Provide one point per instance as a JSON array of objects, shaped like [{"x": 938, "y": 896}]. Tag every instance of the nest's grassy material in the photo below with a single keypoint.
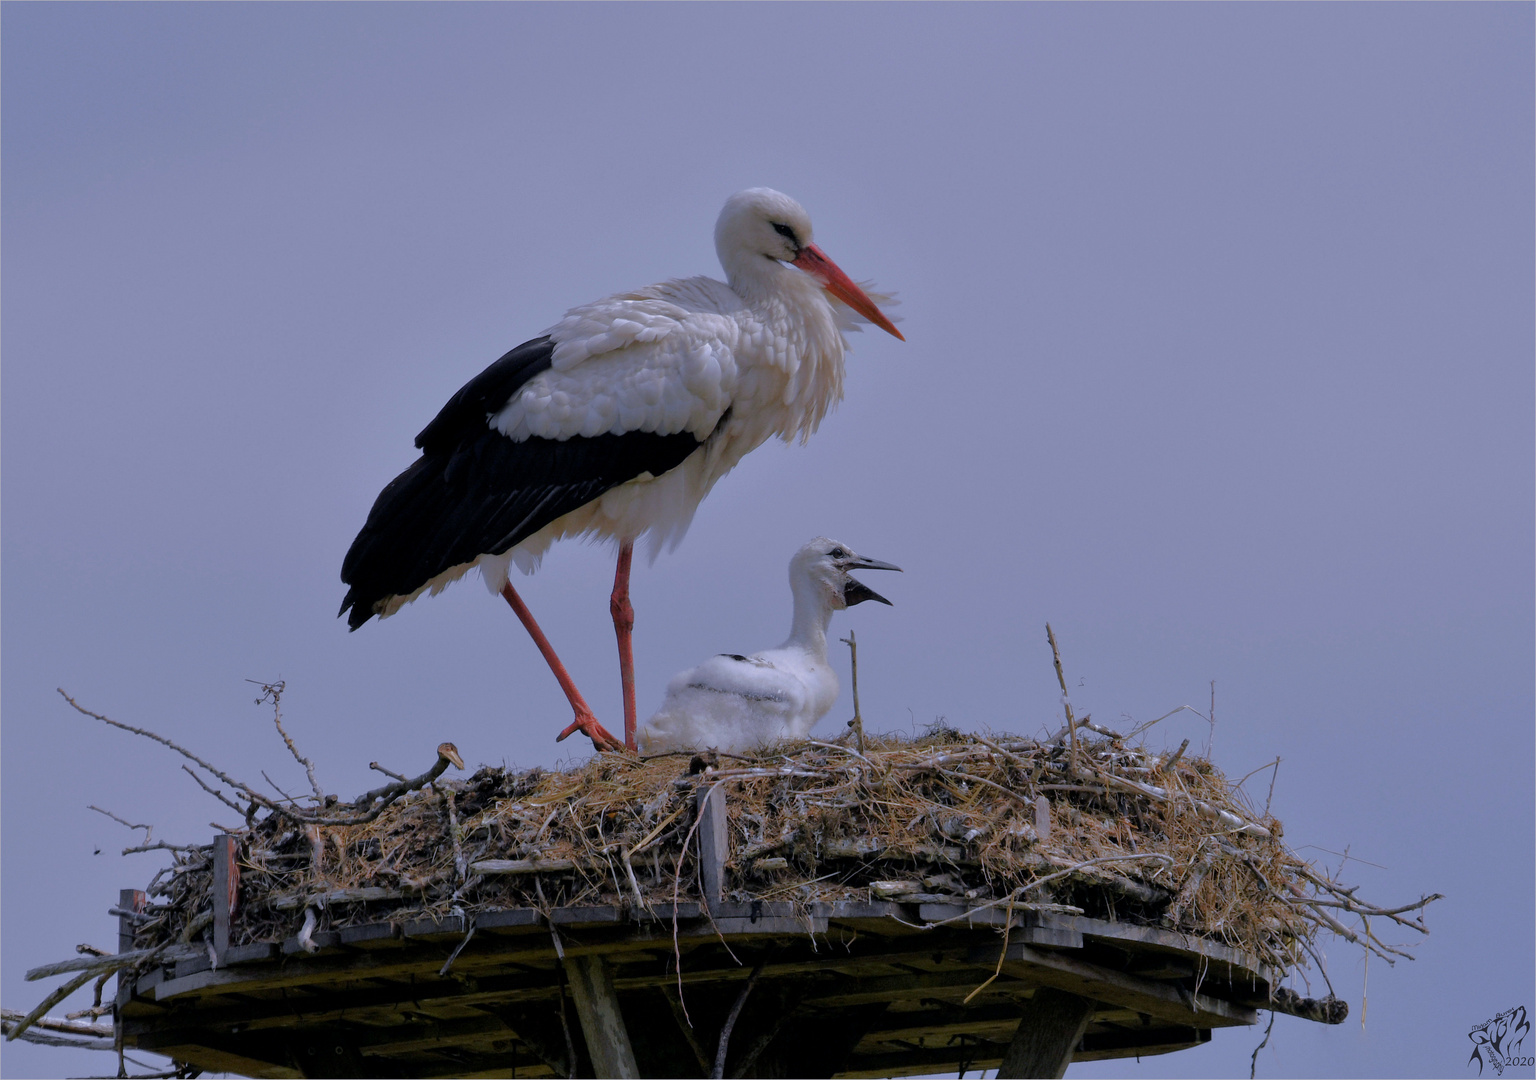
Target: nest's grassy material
[{"x": 1116, "y": 831}]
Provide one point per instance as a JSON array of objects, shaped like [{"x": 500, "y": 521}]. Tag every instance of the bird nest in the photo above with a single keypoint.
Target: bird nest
[{"x": 1083, "y": 823}]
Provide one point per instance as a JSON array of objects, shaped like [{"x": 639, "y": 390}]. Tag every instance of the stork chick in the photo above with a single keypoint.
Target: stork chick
[{"x": 733, "y": 702}]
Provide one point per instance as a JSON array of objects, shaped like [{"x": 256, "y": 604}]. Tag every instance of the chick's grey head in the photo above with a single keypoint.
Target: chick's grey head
[{"x": 827, "y": 565}]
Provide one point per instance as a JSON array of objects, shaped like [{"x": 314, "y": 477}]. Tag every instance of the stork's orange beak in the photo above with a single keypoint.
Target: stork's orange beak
[{"x": 840, "y": 285}]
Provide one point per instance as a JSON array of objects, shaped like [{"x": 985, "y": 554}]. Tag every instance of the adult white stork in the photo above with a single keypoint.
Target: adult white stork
[
  {"x": 732, "y": 702},
  {"x": 615, "y": 423}
]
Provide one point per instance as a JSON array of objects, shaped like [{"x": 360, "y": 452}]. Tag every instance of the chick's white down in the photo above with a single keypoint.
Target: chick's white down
[{"x": 735, "y": 703}]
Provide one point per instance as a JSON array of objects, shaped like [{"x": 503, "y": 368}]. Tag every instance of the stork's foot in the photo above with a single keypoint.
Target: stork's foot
[{"x": 587, "y": 724}]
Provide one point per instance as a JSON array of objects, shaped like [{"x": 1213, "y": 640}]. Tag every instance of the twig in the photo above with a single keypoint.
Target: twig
[
  {"x": 857, "y": 723},
  {"x": 1253, "y": 1067},
  {"x": 1022, "y": 889},
  {"x": 447, "y": 754},
  {"x": 730, "y": 1021},
  {"x": 277, "y": 789},
  {"x": 1183, "y": 746},
  {"x": 96, "y": 1039},
  {"x": 844, "y": 749},
  {"x": 159, "y": 845},
  {"x": 49, "y": 1002},
  {"x": 443, "y": 973},
  {"x": 1268, "y": 765},
  {"x": 68, "y": 1027},
  {"x": 236, "y": 807},
  {"x": 1002, "y": 954},
  {"x": 1066, "y": 703},
  {"x": 148, "y": 829},
  {"x": 677, "y": 881},
  {"x": 1139, "y": 728},
  {"x": 274, "y": 691},
  {"x": 455, "y": 834},
  {"x": 1210, "y": 742},
  {"x": 387, "y": 772},
  {"x": 163, "y": 741}
]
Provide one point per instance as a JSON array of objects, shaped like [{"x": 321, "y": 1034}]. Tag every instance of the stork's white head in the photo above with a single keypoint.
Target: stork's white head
[
  {"x": 757, "y": 224},
  {"x": 760, "y": 229},
  {"x": 823, "y": 567}
]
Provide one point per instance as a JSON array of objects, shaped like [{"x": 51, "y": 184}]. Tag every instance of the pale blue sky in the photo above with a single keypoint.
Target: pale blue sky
[{"x": 1219, "y": 357}]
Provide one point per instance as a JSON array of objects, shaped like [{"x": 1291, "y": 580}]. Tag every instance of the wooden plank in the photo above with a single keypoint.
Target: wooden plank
[
  {"x": 686, "y": 909},
  {"x": 936, "y": 1059},
  {"x": 323, "y": 940},
  {"x": 714, "y": 843},
  {"x": 588, "y": 915},
  {"x": 1170, "y": 1003},
  {"x": 775, "y": 926},
  {"x": 1138, "y": 1042},
  {"x": 959, "y": 980},
  {"x": 295, "y": 901},
  {"x": 236, "y": 954},
  {"x": 883, "y": 917},
  {"x": 450, "y": 926},
  {"x": 753, "y": 909},
  {"x": 371, "y": 935},
  {"x": 133, "y": 900},
  {"x": 493, "y": 951},
  {"x": 1050, "y": 1029},
  {"x": 225, "y": 892},
  {"x": 597, "y": 1006},
  {"x": 1027, "y": 925},
  {"x": 510, "y": 920},
  {"x": 430, "y": 1034},
  {"x": 1243, "y": 965}
]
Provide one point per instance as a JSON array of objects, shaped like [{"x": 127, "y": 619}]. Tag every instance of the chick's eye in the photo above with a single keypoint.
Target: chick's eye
[
  {"x": 838, "y": 553},
  {"x": 786, "y": 232}
]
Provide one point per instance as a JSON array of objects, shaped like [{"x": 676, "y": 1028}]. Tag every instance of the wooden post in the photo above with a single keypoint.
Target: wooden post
[
  {"x": 226, "y": 885},
  {"x": 712, "y": 843},
  {"x": 135, "y": 901},
  {"x": 1051, "y": 1028},
  {"x": 597, "y": 1006}
]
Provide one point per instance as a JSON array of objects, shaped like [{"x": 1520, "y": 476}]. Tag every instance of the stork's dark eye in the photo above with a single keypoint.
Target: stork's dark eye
[
  {"x": 838, "y": 553},
  {"x": 786, "y": 232}
]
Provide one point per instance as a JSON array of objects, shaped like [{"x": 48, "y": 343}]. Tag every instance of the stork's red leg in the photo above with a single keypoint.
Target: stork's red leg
[
  {"x": 623, "y": 628},
  {"x": 585, "y": 721}
]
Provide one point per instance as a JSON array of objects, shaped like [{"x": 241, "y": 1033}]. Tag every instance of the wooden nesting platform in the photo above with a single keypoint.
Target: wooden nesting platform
[
  {"x": 843, "y": 988},
  {"x": 713, "y": 984}
]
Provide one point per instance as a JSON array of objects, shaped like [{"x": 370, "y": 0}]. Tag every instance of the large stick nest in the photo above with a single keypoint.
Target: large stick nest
[{"x": 1108, "y": 829}]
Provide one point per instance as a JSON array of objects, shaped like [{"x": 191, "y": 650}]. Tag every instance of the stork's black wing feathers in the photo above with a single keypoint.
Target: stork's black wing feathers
[
  {"x": 466, "y": 412},
  {"x": 474, "y": 491}
]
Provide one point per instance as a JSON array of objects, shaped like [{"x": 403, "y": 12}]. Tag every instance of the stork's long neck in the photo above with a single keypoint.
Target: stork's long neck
[{"x": 813, "y": 613}]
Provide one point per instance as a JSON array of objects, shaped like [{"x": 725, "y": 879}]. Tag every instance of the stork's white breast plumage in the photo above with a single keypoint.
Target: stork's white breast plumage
[
  {"x": 616, "y": 422},
  {"x": 736, "y": 703}
]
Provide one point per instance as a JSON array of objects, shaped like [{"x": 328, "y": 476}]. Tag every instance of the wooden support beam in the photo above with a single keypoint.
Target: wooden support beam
[
  {"x": 1050, "y": 1029},
  {"x": 226, "y": 888},
  {"x": 1168, "y": 1002},
  {"x": 597, "y": 1006},
  {"x": 713, "y": 843}
]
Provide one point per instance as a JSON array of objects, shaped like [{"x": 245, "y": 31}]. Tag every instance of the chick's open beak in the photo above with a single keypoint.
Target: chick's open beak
[{"x": 856, "y": 592}]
